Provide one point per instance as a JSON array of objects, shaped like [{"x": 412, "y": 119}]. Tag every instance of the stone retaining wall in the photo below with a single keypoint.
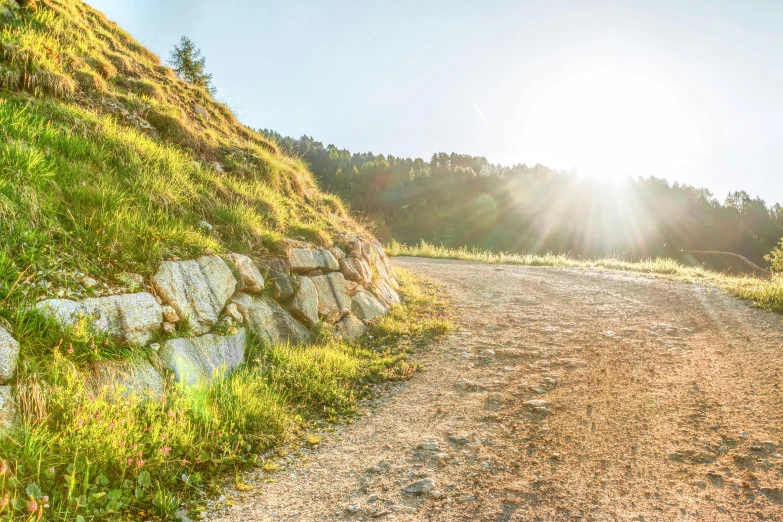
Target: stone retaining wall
[{"x": 212, "y": 295}]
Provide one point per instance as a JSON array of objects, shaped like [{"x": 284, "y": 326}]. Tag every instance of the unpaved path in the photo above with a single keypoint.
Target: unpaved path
[{"x": 663, "y": 401}]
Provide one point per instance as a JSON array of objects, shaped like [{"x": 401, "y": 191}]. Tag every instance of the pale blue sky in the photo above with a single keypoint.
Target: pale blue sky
[{"x": 690, "y": 91}]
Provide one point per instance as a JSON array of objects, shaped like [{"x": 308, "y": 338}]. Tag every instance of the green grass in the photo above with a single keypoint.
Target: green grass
[
  {"x": 104, "y": 456},
  {"x": 766, "y": 293},
  {"x": 105, "y": 168}
]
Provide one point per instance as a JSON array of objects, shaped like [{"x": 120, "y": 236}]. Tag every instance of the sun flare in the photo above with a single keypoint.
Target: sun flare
[{"x": 606, "y": 124}]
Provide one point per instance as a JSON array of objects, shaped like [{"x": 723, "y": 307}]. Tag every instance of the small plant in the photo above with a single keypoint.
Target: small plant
[
  {"x": 166, "y": 503},
  {"x": 271, "y": 466},
  {"x": 130, "y": 283},
  {"x": 313, "y": 439}
]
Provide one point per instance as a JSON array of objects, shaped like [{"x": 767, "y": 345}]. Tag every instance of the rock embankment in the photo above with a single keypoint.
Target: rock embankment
[{"x": 196, "y": 313}]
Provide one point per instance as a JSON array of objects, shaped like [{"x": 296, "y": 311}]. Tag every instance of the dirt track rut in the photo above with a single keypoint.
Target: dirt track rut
[{"x": 563, "y": 395}]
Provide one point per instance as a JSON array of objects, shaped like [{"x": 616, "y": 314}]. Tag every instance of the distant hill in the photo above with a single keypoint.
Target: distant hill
[{"x": 462, "y": 200}]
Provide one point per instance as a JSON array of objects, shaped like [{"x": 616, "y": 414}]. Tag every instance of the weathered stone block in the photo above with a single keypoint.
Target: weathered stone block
[
  {"x": 304, "y": 305},
  {"x": 349, "y": 328},
  {"x": 356, "y": 269},
  {"x": 387, "y": 269},
  {"x": 303, "y": 260},
  {"x": 355, "y": 248},
  {"x": 7, "y": 407},
  {"x": 134, "y": 318},
  {"x": 267, "y": 319},
  {"x": 384, "y": 290},
  {"x": 250, "y": 278},
  {"x": 366, "y": 306},
  {"x": 169, "y": 314},
  {"x": 9, "y": 354},
  {"x": 333, "y": 301},
  {"x": 352, "y": 288},
  {"x": 328, "y": 260},
  {"x": 277, "y": 271},
  {"x": 197, "y": 289},
  {"x": 134, "y": 377},
  {"x": 198, "y": 359}
]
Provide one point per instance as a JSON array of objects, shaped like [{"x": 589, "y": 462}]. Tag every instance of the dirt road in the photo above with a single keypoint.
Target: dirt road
[{"x": 564, "y": 395}]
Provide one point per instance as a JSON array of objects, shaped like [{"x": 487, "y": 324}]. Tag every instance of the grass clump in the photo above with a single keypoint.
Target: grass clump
[
  {"x": 766, "y": 293},
  {"x": 90, "y": 81},
  {"x": 119, "y": 453}
]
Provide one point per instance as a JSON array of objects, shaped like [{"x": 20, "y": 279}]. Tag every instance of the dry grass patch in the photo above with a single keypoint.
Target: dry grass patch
[{"x": 766, "y": 293}]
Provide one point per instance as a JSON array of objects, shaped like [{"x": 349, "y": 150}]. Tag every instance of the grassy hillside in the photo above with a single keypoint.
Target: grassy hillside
[{"x": 109, "y": 163}]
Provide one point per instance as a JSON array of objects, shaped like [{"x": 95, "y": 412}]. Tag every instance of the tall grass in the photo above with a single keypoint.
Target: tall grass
[
  {"x": 114, "y": 454},
  {"x": 766, "y": 293}
]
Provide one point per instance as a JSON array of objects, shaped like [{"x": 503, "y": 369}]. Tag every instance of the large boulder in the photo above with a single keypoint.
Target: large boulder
[
  {"x": 7, "y": 407},
  {"x": 304, "y": 305},
  {"x": 134, "y": 318},
  {"x": 333, "y": 301},
  {"x": 197, "y": 289},
  {"x": 9, "y": 354},
  {"x": 352, "y": 288},
  {"x": 349, "y": 328},
  {"x": 328, "y": 260},
  {"x": 357, "y": 270},
  {"x": 267, "y": 319},
  {"x": 384, "y": 290},
  {"x": 366, "y": 306},
  {"x": 385, "y": 270},
  {"x": 133, "y": 377},
  {"x": 354, "y": 247},
  {"x": 380, "y": 261},
  {"x": 303, "y": 260},
  {"x": 278, "y": 272},
  {"x": 64, "y": 311},
  {"x": 198, "y": 359},
  {"x": 250, "y": 278},
  {"x": 358, "y": 248}
]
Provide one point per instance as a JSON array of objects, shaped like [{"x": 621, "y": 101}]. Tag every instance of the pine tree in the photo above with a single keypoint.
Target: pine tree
[{"x": 190, "y": 65}]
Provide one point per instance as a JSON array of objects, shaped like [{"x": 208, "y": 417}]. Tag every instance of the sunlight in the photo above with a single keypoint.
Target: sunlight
[{"x": 606, "y": 124}]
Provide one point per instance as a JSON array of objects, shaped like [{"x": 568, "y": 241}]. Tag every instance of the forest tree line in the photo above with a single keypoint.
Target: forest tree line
[{"x": 462, "y": 200}]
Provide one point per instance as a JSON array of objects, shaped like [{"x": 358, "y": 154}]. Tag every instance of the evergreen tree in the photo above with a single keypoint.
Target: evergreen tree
[
  {"x": 190, "y": 65},
  {"x": 463, "y": 200}
]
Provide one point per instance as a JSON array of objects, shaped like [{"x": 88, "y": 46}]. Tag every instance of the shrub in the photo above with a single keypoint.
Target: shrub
[
  {"x": 27, "y": 69},
  {"x": 775, "y": 258},
  {"x": 142, "y": 88},
  {"x": 172, "y": 128},
  {"x": 103, "y": 66},
  {"x": 121, "y": 62},
  {"x": 90, "y": 81}
]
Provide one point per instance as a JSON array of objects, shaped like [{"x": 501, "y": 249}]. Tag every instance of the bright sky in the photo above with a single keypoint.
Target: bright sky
[{"x": 690, "y": 91}]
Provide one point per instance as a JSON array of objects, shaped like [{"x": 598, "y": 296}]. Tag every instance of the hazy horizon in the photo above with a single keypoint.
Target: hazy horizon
[{"x": 688, "y": 94}]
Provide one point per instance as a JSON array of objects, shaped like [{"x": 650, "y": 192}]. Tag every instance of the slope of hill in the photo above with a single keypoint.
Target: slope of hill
[{"x": 109, "y": 162}]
